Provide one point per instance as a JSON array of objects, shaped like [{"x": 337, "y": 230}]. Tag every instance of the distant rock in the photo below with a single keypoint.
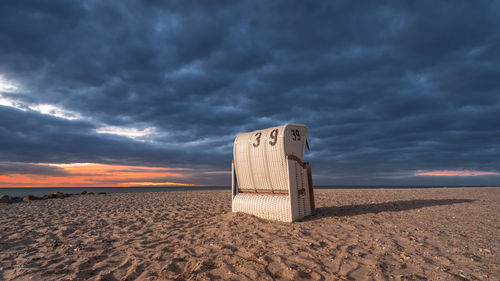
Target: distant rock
[
  {"x": 84, "y": 192},
  {"x": 90, "y": 193},
  {"x": 58, "y": 195},
  {"x": 61, "y": 195},
  {"x": 5, "y": 198},
  {"x": 52, "y": 195},
  {"x": 102, "y": 192},
  {"x": 30, "y": 198},
  {"x": 8, "y": 199}
]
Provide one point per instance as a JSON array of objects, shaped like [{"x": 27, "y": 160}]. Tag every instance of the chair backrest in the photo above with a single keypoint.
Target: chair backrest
[{"x": 260, "y": 157}]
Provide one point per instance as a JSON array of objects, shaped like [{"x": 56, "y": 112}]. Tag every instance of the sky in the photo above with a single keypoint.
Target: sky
[{"x": 133, "y": 93}]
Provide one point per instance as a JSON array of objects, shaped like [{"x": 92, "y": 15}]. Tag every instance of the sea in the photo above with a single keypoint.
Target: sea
[{"x": 40, "y": 191}]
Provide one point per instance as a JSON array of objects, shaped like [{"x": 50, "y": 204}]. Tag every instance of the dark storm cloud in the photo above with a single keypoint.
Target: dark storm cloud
[
  {"x": 7, "y": 168},
  {"x": 386, "y": 90},
  {"x": 47, "y": 139}
]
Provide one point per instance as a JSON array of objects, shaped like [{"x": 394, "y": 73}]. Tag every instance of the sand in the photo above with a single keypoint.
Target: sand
[{"x": 377, "y": 234}]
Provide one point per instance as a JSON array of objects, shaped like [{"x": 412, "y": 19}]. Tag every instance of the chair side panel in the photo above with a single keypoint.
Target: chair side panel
[{"x": 295, "y": 140}]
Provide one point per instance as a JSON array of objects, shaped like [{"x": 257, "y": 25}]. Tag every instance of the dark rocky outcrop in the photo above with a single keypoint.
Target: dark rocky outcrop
[
  {"x": 29, "y": 197},
  {"x": 61, "y": 195},
  {"x": 52, "y": 195},
  {"x": 56, "y": 195},
  {"x": 5, "y": 198}
]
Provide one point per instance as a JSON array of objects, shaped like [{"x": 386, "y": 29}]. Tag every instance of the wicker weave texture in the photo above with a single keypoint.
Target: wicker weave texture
[
  {"x": 260, "y": 156},
  {"x": 271, "y": 207},
  {"x": 261, "y": 164}
]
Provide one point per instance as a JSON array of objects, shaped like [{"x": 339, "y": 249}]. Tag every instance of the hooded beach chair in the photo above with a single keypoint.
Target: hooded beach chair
[{"x": 270, "y": 178}]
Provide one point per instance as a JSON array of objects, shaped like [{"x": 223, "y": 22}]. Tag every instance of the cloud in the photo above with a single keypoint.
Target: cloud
[
  {"x": 457, "y": 173},
  {"x": 387, "y": 90},
  {"x": 9, "y": 168}
]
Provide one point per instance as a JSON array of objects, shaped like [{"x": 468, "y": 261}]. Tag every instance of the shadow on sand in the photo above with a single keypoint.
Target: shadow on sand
[{"x": 395, "y": 206}]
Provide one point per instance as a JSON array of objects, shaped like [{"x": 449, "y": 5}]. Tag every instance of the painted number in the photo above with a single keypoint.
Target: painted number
[
  {"x": 296, "y": 135},
  {"x": 257, "y": 139},
  {"x": 274, "y": 137}
]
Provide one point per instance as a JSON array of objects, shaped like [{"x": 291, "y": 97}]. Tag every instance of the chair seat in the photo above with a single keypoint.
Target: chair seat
[{"x": 272, "y": 207}]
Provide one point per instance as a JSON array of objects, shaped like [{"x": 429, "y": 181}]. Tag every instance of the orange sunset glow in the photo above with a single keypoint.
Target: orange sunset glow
[
  {"x": 457, "y": 173},
  {"x": 95, "y": 175}
]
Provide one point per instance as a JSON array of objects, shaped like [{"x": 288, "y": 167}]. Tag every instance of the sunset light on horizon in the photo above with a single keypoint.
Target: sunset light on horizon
[
  {"x": 456, "y": 173},
  {"x": 94, "y": 175}
]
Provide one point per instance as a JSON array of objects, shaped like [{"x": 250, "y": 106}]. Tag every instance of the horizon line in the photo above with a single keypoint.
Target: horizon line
[{"x": 229, "y": 186}]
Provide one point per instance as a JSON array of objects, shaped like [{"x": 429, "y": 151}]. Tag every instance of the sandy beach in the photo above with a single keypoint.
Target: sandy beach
[{"x": 356, "y": 234}]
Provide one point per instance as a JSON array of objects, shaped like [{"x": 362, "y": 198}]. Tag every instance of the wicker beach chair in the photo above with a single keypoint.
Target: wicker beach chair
[{"x": 270, "y": 178}]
